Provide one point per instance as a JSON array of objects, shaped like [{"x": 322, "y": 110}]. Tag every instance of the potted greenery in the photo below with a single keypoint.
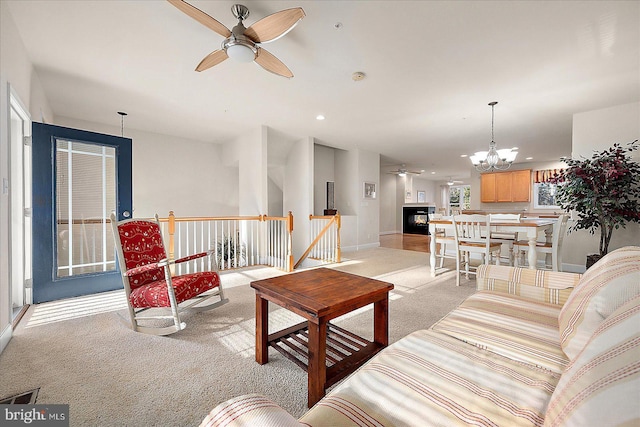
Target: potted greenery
[
  {"x": 231, "y": 252},
  {"x": 603, "y": 191}
]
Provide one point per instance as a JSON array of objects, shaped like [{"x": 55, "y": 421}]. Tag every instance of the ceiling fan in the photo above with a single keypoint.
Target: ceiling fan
[
  {"x": 244, "y": 44},
  {"x": 403, "y": 171},
  {"x": 453, "y": 182}
]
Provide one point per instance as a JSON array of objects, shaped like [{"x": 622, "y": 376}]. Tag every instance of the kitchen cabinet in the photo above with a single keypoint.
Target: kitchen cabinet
[{"x": 505, "y": 187}]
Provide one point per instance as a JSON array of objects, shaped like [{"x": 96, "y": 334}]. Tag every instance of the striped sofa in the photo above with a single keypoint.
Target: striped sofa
[{"x": 529, "y": 348}]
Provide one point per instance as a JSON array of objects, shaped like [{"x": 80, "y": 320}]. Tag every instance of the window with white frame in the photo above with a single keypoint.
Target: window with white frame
[
  {"x": 544, "y": 191},
  {"x": 459, "y": 197}
]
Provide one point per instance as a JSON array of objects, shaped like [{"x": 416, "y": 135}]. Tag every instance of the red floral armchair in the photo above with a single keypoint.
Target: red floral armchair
[{"x": 147, "y": 279}]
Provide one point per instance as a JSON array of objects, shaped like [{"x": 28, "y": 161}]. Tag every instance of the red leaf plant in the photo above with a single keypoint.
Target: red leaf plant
[{"x": 603, "y": 191}]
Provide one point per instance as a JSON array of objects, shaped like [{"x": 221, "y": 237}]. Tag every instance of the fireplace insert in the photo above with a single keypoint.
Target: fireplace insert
[{"x": 415, "y": 219}]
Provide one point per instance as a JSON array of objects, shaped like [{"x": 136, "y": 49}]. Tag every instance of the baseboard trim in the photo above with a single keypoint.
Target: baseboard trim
[
  {"x": 384, "y": 233},
  {"x": 5, "y": 337},
  {"x": 369, "y": 246},
  {"x": 574, "y": 268},
  {"x": 360, "y": 247}
]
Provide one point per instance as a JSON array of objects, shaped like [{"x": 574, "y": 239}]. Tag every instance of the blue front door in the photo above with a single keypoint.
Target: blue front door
[{"x": 79, "y": 178}]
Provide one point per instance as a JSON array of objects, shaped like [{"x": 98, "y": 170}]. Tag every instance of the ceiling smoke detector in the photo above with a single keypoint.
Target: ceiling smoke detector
[{"x": 357, "y": 76}]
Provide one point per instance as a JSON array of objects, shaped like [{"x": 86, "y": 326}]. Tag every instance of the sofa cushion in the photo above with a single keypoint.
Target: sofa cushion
[
  {"x": 512, "y": 326},
  {"x": 607, "y": 285},
  {"x": 539, "y": 285},
  {"x": 427, "y": 378},
  {"x": 249, "y": 410},
  {"x": 600, "y": 385}
]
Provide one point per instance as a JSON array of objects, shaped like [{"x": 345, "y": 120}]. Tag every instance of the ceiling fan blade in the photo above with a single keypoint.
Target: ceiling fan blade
[
  {"x": 270, "y": 63},
  {"x": 214, "y": 58},
  {"x": 201, "y": 17},
  {"x": 274, "y": 26}
]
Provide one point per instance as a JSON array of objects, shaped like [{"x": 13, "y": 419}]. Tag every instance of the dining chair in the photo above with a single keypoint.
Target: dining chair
[
  {"x": 472, "y": 236},
  {"x": 442, "y": 240},
  {"x": 149, "y": 284},
  {"x": 554, "y": 248},
  {"x": 507, "y": 238}
]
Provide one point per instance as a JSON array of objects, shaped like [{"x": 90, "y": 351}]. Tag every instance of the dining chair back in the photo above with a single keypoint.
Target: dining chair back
[
  {"x": 507, "y": 238},
  {"x": 553, "y": 248},
  {"x": 472, "y": 235},
  {"x": 442, "y": 241}
]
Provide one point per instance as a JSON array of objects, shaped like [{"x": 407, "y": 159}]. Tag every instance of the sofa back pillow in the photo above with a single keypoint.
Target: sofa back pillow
[
  {"x": 607, "y": 285},
  {"x": 600, "y": 386}
]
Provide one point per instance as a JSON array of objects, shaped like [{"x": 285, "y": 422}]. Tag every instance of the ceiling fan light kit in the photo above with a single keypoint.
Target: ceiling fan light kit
[
  {"x": 239, "y": 51},
  {"x": 493, "y": 159},
  {"x": 402, "y": 171},
  {"x": 243, "y": 44}
]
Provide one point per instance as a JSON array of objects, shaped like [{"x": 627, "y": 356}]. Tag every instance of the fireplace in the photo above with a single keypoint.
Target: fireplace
[{"x": 415, "y": 219}]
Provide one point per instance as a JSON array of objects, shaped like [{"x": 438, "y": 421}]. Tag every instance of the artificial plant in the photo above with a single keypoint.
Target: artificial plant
[{"x": 603, "y": 191}]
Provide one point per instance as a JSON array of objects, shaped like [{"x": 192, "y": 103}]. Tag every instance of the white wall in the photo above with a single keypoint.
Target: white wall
[
  {"x": 599, "y": 130},
  {"x": 170, "y": 173},
  {"x": 352, "y": 169},
  {"x": 275, "y": 193},
  {"x": 323, "y": 172},
  {"x": 252, "y": 180},
  {"x": 368, "y": 167},
  {"x": 17, "y": 70},
  {"x": 388, "y": 204},
  {"x": 298, "y": 192},
  {"x": 346, "y": 188},
  {"x": 429, "y": 187}
]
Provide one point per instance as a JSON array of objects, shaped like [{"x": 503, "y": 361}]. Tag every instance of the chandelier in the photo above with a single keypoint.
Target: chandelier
[{"x": 493, "y": 159}]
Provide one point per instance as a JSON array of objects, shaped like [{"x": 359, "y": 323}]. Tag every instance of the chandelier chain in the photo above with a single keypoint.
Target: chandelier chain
[{"x": 493, "y": 159}]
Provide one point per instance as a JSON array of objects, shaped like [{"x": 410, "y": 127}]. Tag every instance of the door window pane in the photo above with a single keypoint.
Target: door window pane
[
  {"x": 85, "y": 197},
  {"x": 459, "y": 197}
]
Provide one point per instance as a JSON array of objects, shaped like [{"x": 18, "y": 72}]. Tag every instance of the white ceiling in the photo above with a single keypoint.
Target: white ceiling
[{"x": 432, "y": 67}]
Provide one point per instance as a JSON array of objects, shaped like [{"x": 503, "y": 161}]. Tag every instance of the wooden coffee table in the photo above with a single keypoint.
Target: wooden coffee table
[{"x": 328, "y": 353}]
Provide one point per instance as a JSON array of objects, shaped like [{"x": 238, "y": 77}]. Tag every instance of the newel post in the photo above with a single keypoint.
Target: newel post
[
  {"x": 338, "y": 249},
  {"x": 172, "y": 232},
  {"x": 290, "y": 242}
]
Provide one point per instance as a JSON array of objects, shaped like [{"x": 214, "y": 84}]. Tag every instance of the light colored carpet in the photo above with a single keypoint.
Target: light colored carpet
[{"x": 111, "y": 376}]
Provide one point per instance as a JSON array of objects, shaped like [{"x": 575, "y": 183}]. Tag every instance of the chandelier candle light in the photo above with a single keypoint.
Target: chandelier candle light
[{"x": 493, "y": 159}]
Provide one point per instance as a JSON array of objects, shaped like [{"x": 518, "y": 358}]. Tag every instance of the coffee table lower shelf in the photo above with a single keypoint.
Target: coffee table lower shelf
[{"x": 345, "y": 351}]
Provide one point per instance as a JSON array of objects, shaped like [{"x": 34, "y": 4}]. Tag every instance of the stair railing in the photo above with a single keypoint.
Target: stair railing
[
  {"x": 325, "y": 246},
  {"x": 237, "y": 241}
]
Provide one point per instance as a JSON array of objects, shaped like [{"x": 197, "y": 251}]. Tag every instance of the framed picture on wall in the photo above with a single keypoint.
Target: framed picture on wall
[
  {"x": 369, "y": 190},
  {"x": 421, "y": 197}
]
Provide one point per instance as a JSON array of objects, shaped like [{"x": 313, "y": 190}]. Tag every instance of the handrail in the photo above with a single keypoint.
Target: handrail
[{"x": 336, "y": 251}]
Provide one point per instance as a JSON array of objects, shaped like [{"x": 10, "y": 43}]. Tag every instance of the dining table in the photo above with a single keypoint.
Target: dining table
[{"x": 533, "y": 228}]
